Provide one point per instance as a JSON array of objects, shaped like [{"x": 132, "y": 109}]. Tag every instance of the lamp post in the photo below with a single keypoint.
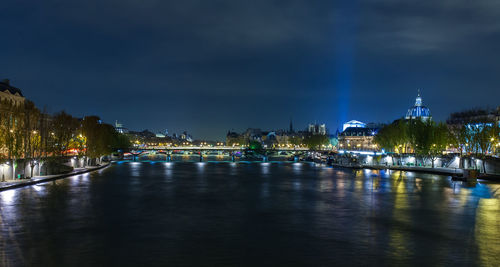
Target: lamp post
[{"x": 3, "y": 172}]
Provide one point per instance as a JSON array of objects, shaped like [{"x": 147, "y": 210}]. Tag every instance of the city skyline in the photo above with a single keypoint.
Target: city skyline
[
  {"x": 301, "y": 128},
  {"x": 208, "y": 68}
]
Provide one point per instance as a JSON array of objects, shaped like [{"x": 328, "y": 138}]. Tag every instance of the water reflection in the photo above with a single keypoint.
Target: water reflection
[
  {"x": 264, "y": 191},
  {"x": 325, "y": 185},
  {"x": 265, "y": 168},
  {"x": 169, "y": 171},
  {"x": 297, "y": 168},
  {"x": 135, "y": 169},
  {"x": 200, "y": 166},
  {"x": 399, "y": 243},
  {"x": 8, "y": 197}
]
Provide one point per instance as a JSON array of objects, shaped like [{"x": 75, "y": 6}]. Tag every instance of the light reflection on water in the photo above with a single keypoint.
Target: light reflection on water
[
  {"x": 8, "y": 197},
  {"x": 486, "y": 231},
  {"x": 265, "y": 168},
  {"x": 235, "y": 213}
]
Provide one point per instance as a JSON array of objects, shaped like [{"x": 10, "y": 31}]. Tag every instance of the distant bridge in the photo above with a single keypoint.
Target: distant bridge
[
  {"x": 209, "y": 151},
  {"x": 225, "y": 148}
]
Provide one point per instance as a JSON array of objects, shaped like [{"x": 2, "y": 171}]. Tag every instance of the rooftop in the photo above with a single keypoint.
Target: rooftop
[{"x": 6, "y": 87}]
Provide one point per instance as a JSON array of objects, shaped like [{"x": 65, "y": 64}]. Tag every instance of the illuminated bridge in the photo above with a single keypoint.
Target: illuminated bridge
[
  {"x": 224, "y": 148},
  {"x": 202, "y": 152}
]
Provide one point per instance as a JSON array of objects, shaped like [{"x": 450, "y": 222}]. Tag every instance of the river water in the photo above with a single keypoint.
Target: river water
[{"x": 250, "y": 214}]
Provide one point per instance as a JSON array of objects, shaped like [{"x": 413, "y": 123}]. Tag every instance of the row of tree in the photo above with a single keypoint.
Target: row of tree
[
  {"x": 35, "y": 136},
  {"x": 474, "y": 132},
  {"x": 428, "y": 139},
  {"x": 315, "y": 141}
]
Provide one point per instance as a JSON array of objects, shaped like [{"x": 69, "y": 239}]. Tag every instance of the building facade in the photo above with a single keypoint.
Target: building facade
[
  {"x": 10, "y": 93},
  {"x": 316, "y": 129},
  {"x": 357, "y": 138}
]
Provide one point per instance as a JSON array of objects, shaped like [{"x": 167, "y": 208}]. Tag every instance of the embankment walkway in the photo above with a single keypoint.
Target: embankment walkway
[{"x": 42, "y": 179}]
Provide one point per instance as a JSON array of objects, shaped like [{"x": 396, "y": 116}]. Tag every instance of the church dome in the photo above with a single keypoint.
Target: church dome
[{"x": 418, "y": 111}]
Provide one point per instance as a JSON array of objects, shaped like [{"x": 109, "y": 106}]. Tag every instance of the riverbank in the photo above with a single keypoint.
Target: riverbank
[{"x": 42, "y": 179}]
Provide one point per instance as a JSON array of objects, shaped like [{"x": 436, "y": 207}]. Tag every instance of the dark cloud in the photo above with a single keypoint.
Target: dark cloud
[{"x": 209, "y": 66}]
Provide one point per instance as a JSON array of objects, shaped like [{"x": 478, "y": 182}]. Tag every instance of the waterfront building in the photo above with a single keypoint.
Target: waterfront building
[
  {"x": 9, "y": 93},
  {"x": 359, "y": 137},
  {"x": 418, "y": 111}
]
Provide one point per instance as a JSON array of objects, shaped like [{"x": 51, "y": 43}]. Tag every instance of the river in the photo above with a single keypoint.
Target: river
[{"x": 250, "y": 214}]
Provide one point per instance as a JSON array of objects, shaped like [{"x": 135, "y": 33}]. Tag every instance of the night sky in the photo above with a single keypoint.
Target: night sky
[{"x": 212, "y": 66}]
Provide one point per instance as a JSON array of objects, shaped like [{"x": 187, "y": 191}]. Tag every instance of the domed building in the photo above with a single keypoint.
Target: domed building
[{"x": 418, "y": 111}]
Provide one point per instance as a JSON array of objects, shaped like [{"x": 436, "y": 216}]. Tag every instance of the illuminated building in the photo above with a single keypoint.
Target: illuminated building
[
  {"x": 418, "y": 111},
  {"x": 317, "y": 129},
  {"x": 10, "y": 93},
  {"x": 356, "y": 136}
]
